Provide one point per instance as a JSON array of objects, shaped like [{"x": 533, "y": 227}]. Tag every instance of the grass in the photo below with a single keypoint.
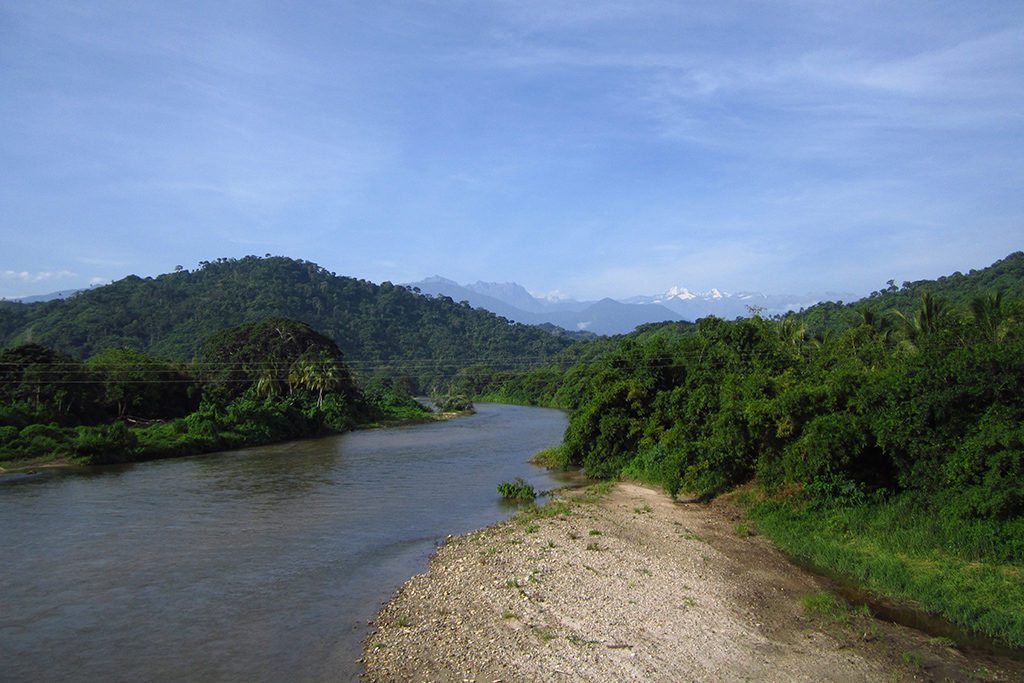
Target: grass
[
  {"x": 532, "y": 512},
  {"x": 743, "y": 530},
  {"x": 826, "y": 605},
  {"x": 595, "y": 492},
  {"x": 554, "y": 458},
  {"x": 913, "y": 660},
  {"x": 971, "y": 573}
]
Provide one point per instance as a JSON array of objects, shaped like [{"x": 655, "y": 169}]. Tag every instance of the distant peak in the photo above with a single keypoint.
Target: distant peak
[
  {"x": 686, "y": 294},
  {"x": 679, "y": 293}
]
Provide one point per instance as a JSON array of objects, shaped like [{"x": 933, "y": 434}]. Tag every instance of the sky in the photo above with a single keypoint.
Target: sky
[{"x": 586, "y": 149}]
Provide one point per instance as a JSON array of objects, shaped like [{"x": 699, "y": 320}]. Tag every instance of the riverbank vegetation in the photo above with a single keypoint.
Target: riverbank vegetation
[
  {"x": 258, "y": 383},
  {"x": 889, "y": 451}
]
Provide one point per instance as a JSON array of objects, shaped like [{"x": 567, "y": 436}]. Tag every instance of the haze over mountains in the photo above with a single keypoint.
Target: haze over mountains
[{"x": 610, "y": 316}]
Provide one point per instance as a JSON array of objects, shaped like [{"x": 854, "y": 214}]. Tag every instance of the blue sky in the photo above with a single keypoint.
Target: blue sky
[{"x": 592, "y": 148}]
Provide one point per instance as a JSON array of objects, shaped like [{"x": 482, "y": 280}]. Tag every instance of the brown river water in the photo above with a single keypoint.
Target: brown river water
[{"x": 259, "y": 565}]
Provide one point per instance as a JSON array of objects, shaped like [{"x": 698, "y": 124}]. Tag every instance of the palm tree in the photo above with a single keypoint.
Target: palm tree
[
  {"x": 317, "y": 372},
  {"x": 268, "y": 383},
  {"x": 926, "y": 320},
  {"x": 792, "y": 333},
  {"x": 879, "y": 325},
  {"x": 991, "y": 317}
]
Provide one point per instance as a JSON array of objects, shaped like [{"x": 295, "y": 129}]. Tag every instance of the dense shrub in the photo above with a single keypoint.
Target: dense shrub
[
  {"x": 934, "y": 410},
  {"x": 105, "y": 444}
]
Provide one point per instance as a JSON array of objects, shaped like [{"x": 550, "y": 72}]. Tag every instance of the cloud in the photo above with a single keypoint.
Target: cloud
[
  {"x": 793, "y": 100},
  {"x": 39, "y": 276}
]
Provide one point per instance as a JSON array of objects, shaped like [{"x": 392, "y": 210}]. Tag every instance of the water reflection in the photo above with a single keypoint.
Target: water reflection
[{"x": 282, "y": 472}]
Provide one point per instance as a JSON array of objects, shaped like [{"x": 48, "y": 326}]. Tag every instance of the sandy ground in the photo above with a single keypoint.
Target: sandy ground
[{"x": 630, "y": 586}]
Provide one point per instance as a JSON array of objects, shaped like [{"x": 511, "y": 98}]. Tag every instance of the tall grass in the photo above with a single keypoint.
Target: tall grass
[{"x": 970, "y": 572}]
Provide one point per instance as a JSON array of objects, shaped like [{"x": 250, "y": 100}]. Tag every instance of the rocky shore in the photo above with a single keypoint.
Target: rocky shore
[{"x": 627, "y": 585}]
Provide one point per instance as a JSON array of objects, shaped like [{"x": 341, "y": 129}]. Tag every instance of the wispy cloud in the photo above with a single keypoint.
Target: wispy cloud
[{"x": 38, "y": 276}]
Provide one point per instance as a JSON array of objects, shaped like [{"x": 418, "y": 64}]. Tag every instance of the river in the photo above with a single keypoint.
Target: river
[{"x": 263, "y": 564}]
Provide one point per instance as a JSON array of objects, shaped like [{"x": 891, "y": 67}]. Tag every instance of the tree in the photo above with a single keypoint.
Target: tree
[
  {"x": 319, "y": 372},
  {"x": 138, "y": 385},
  {"x": 58, "y": 387},
  {"x": 265, "y": 355},
  {"x": 926, "y": 321},
  {"x": 991, "y": 317}
]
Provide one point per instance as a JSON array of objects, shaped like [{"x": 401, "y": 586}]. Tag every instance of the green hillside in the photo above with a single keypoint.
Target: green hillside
[
  {"x": 381, "y": 329},
  {"x": 957, "y": 290}
]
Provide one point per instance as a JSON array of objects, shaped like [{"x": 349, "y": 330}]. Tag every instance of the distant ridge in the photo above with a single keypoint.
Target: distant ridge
[
  {"x": 39, "y": 298},
  {"x": 603, "y": 317},
  {"x": 610, "y": 316},
  {"x": 958, "y": 289}
]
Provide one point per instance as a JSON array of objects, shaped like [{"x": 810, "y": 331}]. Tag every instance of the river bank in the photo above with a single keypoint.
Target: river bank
[
  {"x": 631, "y": 586},
  {"x": 30, "y": 465}
]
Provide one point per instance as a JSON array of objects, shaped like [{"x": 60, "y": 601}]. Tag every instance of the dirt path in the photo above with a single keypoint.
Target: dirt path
[{"x": 630, "y": 586}]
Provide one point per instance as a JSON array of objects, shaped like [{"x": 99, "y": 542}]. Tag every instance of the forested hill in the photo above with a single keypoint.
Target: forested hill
[
  {"x": 377, "y": 327},
  {"x": 957, "y": 290}
]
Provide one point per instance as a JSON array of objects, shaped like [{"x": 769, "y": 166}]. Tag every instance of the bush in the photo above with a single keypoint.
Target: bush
[
  {"x": 105, "y": 444},
  {"x": 554, "y": 458},
  {"x": 453, "y": 403},
  {"x": 985, "y": 475},
  {"x": 656, "y": 465},
  {"x": 830, "y": 445},
  {"x": 8, "y": 434},
  {"x": 516, "y": 490}
]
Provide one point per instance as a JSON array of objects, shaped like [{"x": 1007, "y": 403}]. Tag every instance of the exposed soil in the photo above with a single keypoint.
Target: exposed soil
[{"x": 631, "y": 586}]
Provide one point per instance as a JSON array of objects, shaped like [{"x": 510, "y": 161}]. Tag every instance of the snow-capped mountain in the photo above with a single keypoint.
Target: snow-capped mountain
[
  {"x": 692, "y": 305},
  {"x": 609, "y": 316}
]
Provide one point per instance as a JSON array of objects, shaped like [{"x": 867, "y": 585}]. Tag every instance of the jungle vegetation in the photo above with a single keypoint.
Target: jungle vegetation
[
  {"x": 887, "y": 448},
  {"x": 384, "y": 330},
  {"x": 261, "y": 382}
]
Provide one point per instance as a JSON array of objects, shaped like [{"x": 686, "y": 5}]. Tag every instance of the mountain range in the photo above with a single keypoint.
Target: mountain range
[{"x": 609, "y": 316}]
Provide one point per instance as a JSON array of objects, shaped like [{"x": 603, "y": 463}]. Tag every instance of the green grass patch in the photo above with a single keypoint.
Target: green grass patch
[
  {"x": 554, "y": 458},
  {"x": 826, "y": 605},
  {"x": 969, "y": 572}
]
